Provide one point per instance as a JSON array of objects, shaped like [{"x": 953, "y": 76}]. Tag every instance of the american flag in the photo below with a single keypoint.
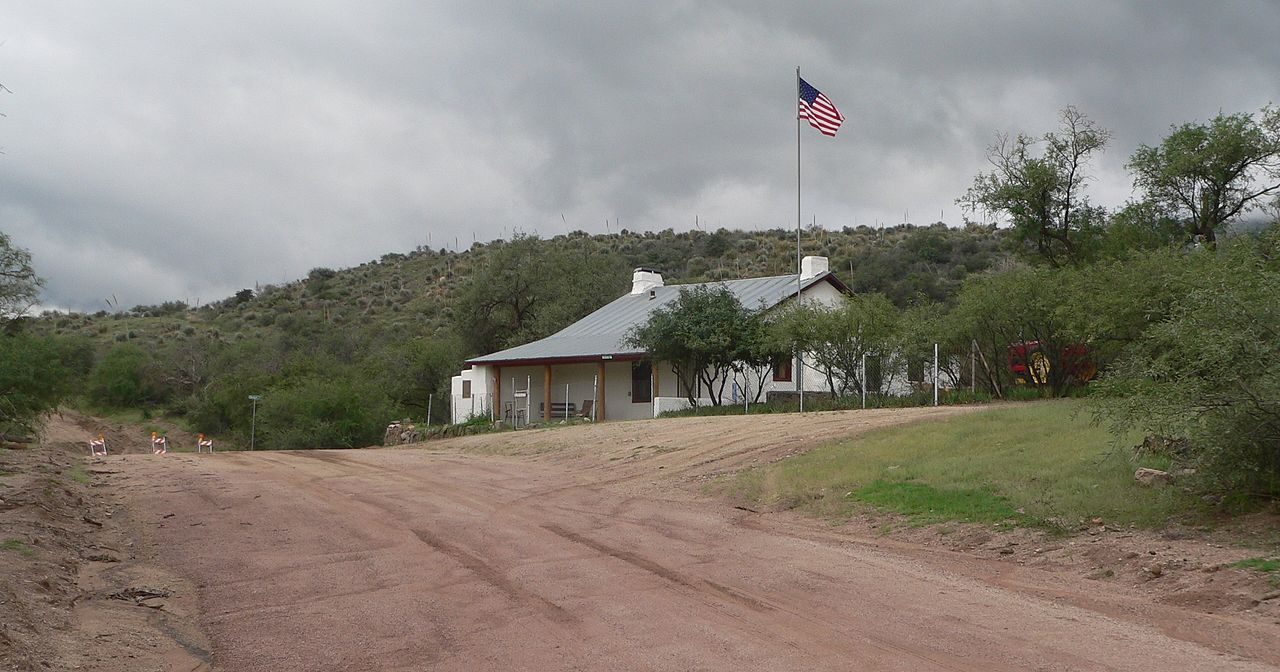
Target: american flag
[{"x": 819, "y": 110}]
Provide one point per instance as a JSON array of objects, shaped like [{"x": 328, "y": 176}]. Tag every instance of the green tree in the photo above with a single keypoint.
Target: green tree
[
  {"x": 1023, "y": 305},
  {"x": 19, "y": 284},
  {"x": 1207, "y": 175},
  {"x": 1209, "y": 373},
  {"x": 337, "y": 410},
  {"x": 1140, "y": 226},
  {"x": 1042, "y": 195},
  {"x": 704, "y": 334},
  {"x": 925, "y": 325},
  {"x": 36, "y": 374},
  {"x": 527, "y": 289},
  {"x": 835, "y": 338},
  {"x": 413, "y": 370},
  {"x": 118, "y": 379}
]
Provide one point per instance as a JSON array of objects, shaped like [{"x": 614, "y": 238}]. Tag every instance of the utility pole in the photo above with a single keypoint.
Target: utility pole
[{"x": 253, "y": 422}]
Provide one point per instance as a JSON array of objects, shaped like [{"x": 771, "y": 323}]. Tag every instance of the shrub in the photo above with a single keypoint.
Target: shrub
[
  {"x": 323, "y": 412},
  {"x": 120, "y": 379},
  {"x": 34, "y": 378},
  {"x": 1210, "y": 373}
]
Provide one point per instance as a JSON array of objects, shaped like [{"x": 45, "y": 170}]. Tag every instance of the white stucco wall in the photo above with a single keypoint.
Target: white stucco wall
[
  {"x": 462, "y": 408},
  {"x": 823, "y": 292}
]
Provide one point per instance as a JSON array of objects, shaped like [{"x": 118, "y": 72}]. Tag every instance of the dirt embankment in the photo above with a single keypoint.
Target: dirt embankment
[{"x": 79, "y": 590}]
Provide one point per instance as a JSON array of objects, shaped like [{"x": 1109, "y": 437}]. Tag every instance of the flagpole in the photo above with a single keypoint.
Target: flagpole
[{"x": 799, "y": 353}]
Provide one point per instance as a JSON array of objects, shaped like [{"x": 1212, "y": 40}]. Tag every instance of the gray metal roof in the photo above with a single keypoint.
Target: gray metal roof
[{"x": 602, "y": 332}]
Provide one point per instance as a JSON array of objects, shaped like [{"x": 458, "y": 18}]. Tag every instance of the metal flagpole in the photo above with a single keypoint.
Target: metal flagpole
[{"x": 799, "y": 353}]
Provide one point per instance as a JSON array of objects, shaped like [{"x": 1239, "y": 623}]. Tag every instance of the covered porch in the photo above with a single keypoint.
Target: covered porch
[{"x": 619, "y": 387}]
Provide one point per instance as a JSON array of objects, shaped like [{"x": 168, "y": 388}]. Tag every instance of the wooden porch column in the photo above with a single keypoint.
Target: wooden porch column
[
  {"x": 600, "y": 391},
  {"x": 497, "y": 393},
  {"x": 656, "y": 379},
  {"x": 546, "y": 393}
]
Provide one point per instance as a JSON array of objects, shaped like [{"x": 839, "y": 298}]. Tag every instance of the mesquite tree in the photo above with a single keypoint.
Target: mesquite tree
[
  {"x": 1207, "y": 175},
  {"x": 1042, "y": 194}
]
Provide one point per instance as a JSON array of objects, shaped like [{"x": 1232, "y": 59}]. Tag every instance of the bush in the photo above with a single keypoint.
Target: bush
[
  {"x": 323, "y": 412},
  {"x": 35, "y": 376},
  {"x": 117, "y": 381},
  {"x": 1210, "y": 373}
]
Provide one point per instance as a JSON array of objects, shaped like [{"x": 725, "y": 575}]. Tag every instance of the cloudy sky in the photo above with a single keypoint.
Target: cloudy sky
[{"x": 175, "y": 150}]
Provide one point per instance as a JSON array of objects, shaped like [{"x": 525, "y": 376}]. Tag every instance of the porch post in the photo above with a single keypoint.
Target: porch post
[
  {"x": 497, "y": 394},
  {"x": 653, "y": 393},
  {"x": 600, "y": 406},
  {"x": 546, "y": 393}
]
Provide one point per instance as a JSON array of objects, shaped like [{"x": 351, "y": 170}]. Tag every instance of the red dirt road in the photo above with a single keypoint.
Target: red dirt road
[{"x": 410, "y": 559}]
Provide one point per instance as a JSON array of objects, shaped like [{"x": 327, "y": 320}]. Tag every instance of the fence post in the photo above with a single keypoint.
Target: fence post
[
  {"x": 863, "y": 376},
  {"x": 935, "y": 374},
  {"x": 566, "y": 401},
  {"x": 595, "y": 396},
  {"x": 430, "y": 397}
]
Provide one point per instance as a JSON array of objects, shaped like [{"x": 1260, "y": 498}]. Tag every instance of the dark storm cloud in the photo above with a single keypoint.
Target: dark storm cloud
[{"x": 160, "y": 151}]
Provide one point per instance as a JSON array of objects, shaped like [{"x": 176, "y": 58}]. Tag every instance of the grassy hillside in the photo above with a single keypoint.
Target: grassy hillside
[
  {"x": 1020, "y": 464},
  {"x": 340, "y": 352},
  {"x": 415, "y": 291}
]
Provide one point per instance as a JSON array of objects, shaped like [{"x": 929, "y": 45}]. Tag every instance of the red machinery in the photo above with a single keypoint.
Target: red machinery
[{"x": 1031, "y": 363}]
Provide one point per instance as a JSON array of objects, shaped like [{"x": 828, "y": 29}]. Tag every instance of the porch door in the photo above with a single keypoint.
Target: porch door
[{"x": 641, "y": 383}]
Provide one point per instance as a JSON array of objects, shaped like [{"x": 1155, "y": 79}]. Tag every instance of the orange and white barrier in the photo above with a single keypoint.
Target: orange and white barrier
[
  {"x": 202, "y": 443},
  {"x": 159, "y": 444},
  {"x": 97, "y": 446}
]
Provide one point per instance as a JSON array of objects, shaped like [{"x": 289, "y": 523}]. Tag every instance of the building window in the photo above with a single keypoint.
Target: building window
[
  {"x": 641, "y": 383},
  {"x": 782, "y": 368},
  {"x": 875, "y": 374},
  {"x": 466, "y": 389},
  {"x": 915, "y": 370}
]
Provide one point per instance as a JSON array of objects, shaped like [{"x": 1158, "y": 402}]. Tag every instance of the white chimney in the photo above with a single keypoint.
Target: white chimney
[
  {"x": 812, "y": 267},
  {"x": 644, "y": 279}
]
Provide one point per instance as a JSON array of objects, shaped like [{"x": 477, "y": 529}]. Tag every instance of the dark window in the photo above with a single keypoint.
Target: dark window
[
  {"x": 875, "y": 375},
  {"x": 641, "y": 383},
  {"x": 466, "y": 389},
  {"x": 782, "y": 368},
  {"x": 682, "y": 390},
  {"x": 915, "y": 370}
]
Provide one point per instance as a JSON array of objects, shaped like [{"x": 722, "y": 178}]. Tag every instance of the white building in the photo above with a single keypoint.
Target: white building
[{"x": 587, "y": 369}]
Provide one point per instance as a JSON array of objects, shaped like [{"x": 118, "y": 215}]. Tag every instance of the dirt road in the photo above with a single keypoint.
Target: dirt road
[{"x": 591, "y": 549}]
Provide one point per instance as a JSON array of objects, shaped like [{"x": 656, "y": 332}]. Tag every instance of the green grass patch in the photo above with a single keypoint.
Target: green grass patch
[
  {"x": 6, "y": 472},
  {"x": 15, "y": 544},
  {"x": 1261, "y": 564},
  {"x": 79, "y": 473},
  {"x": 927, "y": 504},
  {"x": 1045, "y": 458}
]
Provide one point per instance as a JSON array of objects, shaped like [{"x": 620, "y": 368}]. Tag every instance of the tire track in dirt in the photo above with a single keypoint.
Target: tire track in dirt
[
  {"x": 495, "y": 577},
  {"x": 567, "y": 559},
  {"x": 708, "y": 589}
]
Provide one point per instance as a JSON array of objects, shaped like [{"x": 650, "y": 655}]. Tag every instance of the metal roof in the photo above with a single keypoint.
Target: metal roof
[{"x": 602, "y": 333}]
